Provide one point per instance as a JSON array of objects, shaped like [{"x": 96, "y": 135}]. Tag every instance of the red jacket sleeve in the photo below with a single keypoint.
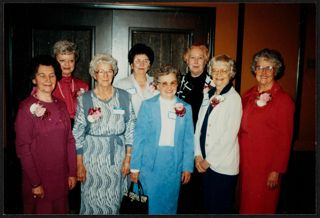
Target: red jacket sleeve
[
  {"x": 284, "y": 119},
  {"x": 25, "y": 138},
  {"x": 72, "y": 157}
]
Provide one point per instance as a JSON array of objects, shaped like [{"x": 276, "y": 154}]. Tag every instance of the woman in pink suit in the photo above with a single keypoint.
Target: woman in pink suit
[
  {"x": 265, "y": 136},
  {"x": 45, "y": 144}
]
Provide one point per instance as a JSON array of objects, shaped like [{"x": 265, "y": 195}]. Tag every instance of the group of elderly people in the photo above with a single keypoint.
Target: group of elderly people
[{"x": 163, "y": 130}]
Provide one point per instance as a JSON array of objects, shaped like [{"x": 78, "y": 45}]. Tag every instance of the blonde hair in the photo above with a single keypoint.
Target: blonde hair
[
  {"x": 65, "y": 47},
  {"x": 202, "y": 47}
]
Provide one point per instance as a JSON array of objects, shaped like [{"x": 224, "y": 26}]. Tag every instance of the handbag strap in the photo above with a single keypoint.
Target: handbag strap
[{"x": 140, "y": 189}]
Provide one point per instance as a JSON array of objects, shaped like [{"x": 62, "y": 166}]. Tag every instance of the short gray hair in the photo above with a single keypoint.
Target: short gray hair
[
  {"x": 65, "y": 47},
  {"x": 272, "y": 56},
  {"x": 166, "y": 70},
  {"x": 102, "y": 58},
  {"x": 225, "y": 59}
]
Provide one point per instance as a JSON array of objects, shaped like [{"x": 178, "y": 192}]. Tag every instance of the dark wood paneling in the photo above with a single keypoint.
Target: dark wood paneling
[
  {"x": 168, "y": 46},
  {"x": 44, "y": 39},
  {"x": 196, "y": 24}
]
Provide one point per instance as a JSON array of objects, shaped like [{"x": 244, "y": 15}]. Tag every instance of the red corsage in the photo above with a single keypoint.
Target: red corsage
[
  {"x": 180, "y": 109},
  {"x": 216, "y": 99}
]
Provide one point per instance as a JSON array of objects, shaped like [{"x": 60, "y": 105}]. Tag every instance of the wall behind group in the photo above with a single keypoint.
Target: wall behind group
[{"x": 274, "y": 26}]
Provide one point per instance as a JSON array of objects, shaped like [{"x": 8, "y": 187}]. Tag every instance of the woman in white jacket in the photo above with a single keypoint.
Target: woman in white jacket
[
  {"x": 216, "y": 137},
  {"x": 139, "y": 84}
]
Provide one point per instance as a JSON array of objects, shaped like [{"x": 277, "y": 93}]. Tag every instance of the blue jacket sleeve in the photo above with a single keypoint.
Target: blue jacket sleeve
[
  {"x": 139, "y": 137},
  {"x": 188, "y": 142}
]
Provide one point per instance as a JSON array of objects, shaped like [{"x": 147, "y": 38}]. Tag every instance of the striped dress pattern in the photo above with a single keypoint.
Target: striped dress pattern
[{"x": 103, "y": 148}]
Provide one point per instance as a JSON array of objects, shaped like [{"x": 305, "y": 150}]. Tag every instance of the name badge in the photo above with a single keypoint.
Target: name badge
[
  {"x": 205, "y": 102},
  {"x": 172, "y": 115},
  {"x": 166, "y": 145},
  {"x": 132, "y": 91},
  {"x": 119, "y": 111}
]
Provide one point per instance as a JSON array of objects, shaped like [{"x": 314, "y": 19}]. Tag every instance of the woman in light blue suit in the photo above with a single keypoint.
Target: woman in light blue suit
[{"x": 163, "y": 148}]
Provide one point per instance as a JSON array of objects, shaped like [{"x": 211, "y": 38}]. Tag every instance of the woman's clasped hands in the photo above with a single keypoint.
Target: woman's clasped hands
[{"x": 201, "y": 164}]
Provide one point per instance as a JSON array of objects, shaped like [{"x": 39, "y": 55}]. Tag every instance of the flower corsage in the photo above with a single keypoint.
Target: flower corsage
[
  {"x": 263, "y": 99},
  {"x": 94, "y": 114},
  {"x": 152, "y": 87},
  {"x": 216, "y": 99},
  {"x": 180, "y": 109},
  {"x": 80, "y": 92},
  {"x": 38, "y": 110}
]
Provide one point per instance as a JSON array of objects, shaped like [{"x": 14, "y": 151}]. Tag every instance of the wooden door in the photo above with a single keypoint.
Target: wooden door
[{"x": 167, "y": 31}]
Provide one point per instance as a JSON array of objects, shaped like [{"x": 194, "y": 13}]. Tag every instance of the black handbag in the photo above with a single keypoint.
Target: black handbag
[{"x": 134, "y": 203}]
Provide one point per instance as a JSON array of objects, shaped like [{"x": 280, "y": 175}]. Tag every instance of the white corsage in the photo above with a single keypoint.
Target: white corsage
[
  {"x": 263, "y": 99},
  {"x": 38, "y": 110}
]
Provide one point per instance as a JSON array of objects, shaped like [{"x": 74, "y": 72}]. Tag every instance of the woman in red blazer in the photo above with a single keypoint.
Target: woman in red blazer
[{"x": 265, "y": 136}]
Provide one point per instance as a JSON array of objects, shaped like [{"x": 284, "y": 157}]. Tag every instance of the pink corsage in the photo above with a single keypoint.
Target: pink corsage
[
  {"x": 94, "y": 114},
  {"x": 152, "y": 87},
  {"x": 80, "y": 92},
  {"x": 39, "y": 110},
  {"x": 180, "y": 109},
  {"x": 263, "y": 99},
  {"x": 216, "y": 99}
]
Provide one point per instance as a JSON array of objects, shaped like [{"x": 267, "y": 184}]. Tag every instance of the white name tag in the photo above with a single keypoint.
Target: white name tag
[
  {"x": 172, "y": 115},
  {"x": 118, "y": 111},
  {"x": 205, "y": 102},
  {"x": 132, "y": 91},
  {"x": 166, "y": 145}
]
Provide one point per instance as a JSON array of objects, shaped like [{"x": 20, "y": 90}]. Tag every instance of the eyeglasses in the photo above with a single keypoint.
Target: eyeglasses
[
  {"x": 102, "y": 72},
  {"x": 138, "y": 61},
  {"x": 267, "y": 69},
  {"x": 222, "y": 72},
  {"x": 171, "y": 84},
  {"x": 43, "y": 76}
]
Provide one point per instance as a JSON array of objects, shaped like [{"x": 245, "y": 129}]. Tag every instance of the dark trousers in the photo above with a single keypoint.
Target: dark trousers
[
  {"x": 74, "y": 199},
  {"x": 219, "y": 192},
  {"x": 190, "y": 196},
  {"x": 74, "y": 194}
]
